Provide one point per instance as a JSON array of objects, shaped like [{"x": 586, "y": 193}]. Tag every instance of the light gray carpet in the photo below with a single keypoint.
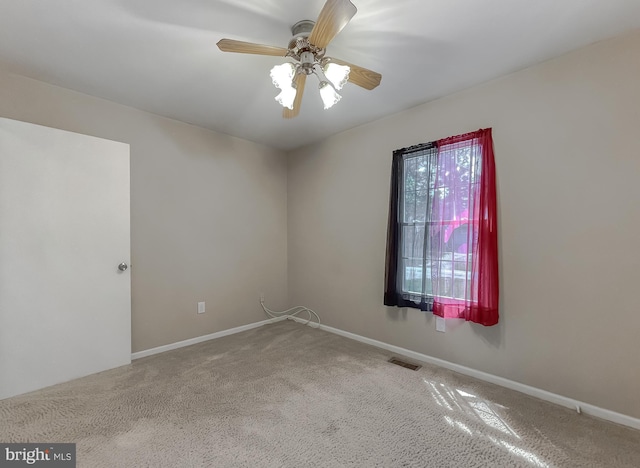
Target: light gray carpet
[{"x": 286, "y": 395}]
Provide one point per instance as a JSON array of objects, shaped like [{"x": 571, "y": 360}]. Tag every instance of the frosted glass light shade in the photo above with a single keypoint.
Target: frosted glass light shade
[
  {"x": 287, "y": 96},
  {"x": 328, "y": 95},
  {"x": 337, "y": 74},
  {"x": 282, "y": 75}
]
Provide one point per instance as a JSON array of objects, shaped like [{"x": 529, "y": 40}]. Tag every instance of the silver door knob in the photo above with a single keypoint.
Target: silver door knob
[{"x": 123, "y": 266}]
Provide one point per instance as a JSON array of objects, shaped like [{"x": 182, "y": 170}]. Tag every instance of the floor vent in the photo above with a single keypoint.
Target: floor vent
[{"x": 405, "y": 364}]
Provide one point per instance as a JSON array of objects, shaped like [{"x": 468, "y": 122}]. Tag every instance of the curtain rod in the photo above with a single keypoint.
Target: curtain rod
[{"x": 416, "y": 148}]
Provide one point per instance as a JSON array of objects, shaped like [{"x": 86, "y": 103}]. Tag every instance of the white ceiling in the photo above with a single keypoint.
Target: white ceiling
[{"x": 160, "y": 55}]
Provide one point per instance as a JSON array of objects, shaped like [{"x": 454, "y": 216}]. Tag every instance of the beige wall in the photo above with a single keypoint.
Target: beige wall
[
  {"x": 566, "y": 142},
  {"x": 208, "y": 213}
]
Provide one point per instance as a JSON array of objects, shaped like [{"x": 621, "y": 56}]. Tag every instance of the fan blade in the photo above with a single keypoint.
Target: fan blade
[
  {"x": 229, "y": 45},
  {"x": 332, "y": 19},
  {"x": 367, "y": 79},
  {"x": 291, "y": 113}
]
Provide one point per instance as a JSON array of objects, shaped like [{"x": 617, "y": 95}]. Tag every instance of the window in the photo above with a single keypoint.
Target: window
[
  {"x": 435, "y": 221},
  {"x": 442, "y": 240}
]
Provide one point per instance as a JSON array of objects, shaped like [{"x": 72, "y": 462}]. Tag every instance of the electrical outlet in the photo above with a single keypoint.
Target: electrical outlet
[
  {"x": 261, "y": 297},
  {"x": 201, "y": 308},
  {"x": 440, "y": 324}
]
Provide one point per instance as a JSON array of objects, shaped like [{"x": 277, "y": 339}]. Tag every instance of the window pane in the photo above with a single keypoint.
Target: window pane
[
  {"x": 412, "y": 241},
  {"x": 444, "y": 279},
  {"x": 421, "y": 206},
  {"x": 409, "y": 195},
  {"x": 413, "y": 275},
  {"x": 422, "y": 172}
]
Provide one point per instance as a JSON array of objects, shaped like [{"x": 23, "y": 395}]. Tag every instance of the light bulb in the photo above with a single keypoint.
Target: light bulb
[
  {"x": 287, "y": 96},
  {"x": 337, "y": 74},
  {"x": 282, "y": 75},
  {"x": 328, "y": 95}
]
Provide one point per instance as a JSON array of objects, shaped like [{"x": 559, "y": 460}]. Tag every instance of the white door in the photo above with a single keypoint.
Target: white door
[{"x": 65, "y": 307}]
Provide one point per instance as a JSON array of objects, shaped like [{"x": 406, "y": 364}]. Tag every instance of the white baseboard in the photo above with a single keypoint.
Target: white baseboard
[
  {"x": 200, "y": 339},
  {"x": 561, "y": 400}
]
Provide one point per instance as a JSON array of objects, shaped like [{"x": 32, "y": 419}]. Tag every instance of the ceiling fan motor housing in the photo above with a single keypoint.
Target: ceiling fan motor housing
[
  {"x": 302, "y": 28},
  {"x": 301, "y": 49}
]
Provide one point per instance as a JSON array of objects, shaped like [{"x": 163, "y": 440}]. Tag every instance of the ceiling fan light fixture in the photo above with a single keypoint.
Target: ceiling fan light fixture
[
  {"x": 337, "y": 74},
  {"x": 287, "y": 96},
  {"x": 306, "y": 51},
  {"x": 282, "y": 75},
  {"x": 328, "y": 94}
]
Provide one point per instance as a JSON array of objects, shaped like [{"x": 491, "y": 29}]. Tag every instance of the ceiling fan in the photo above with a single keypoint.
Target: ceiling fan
[{"x": 307, "y": 49}]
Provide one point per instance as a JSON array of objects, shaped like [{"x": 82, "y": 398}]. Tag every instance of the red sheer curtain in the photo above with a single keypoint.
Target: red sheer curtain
[{"x": 463, "y": 238}]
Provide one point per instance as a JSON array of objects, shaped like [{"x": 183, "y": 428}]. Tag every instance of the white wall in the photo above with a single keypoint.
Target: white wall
[
  {"x": 566, "y": 143},
  {"x": 208, "y": 212}
]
